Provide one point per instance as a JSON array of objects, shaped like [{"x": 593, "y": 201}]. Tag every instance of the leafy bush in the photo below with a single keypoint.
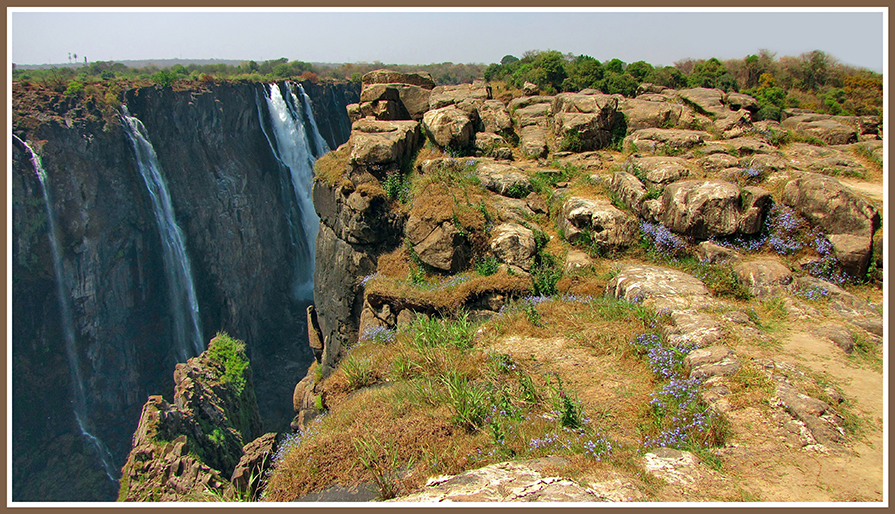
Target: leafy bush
[
  {"x": 229, "y": 353},
  {"x": 164, "y": 78},
  {"x": 74, "y": 88}
]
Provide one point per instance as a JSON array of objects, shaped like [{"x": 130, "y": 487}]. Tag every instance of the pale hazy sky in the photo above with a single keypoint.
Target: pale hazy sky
[{"x": 660, "y": 38}]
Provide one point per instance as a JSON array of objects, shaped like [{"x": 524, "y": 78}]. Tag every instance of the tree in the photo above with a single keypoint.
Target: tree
[
  {"x": 639, "y": 70},
  {"x": 615, "y": 66},
  {"x": 815, "y": 65},
  {"x": 583, "y": 72},
  {"x": 619, "y": 83},
  {"x": 667, "y": 76},
  {"x": 507, "y": 59}
]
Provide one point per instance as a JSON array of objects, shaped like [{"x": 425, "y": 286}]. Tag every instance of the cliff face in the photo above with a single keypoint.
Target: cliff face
[
  {"x": 181, "y": 451},
  {"x": 231, "y": 203}
]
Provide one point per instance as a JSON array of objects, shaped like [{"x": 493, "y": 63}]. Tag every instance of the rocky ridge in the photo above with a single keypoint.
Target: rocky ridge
[{"x": 694, "y": 177}]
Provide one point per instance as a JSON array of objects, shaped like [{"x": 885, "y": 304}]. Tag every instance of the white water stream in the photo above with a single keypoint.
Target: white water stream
[{"x": 181, "y": 291}]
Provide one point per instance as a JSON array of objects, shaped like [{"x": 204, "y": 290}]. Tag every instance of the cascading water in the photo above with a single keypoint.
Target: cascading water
[
  {"x": 319, "y": 143},
  {"x": 297, "y": 151},
  {"x": 67, "y": 322},
  {"x": 181, "y": 292}
]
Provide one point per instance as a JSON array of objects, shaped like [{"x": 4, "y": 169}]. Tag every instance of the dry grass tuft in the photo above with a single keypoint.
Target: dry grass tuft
[
  {"x": 443, "y": 296},
  {"x": 332, "y": 167}
]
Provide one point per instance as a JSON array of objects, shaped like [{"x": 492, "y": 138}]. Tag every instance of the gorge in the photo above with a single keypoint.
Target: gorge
[
  {"x": 186, "y": 215},
  {"x": 530, "y": 295}
]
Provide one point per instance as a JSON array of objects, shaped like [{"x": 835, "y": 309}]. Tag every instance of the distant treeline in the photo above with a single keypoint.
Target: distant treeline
[{"x": 813, "y": 80}]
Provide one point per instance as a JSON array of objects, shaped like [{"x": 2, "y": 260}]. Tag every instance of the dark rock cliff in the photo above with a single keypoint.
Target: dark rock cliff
[{"x": 228, "y": 199}]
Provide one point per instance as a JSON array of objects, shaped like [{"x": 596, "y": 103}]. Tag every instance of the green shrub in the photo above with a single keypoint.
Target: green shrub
[
  {"x": 229, "y": 353},
  {"x": 487, "y": 266},
  {"x": 74, "y": 88},
  {"x": 396, "y": 187},
  {"x": 164, "y": 78}
]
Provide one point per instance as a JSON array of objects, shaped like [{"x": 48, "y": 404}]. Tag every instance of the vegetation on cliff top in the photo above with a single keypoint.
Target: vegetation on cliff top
[{"x": 230, "y": 354}]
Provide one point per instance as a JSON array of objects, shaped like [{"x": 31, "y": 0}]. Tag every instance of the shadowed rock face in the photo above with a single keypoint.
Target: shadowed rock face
[{"x": 230, "y": 202}]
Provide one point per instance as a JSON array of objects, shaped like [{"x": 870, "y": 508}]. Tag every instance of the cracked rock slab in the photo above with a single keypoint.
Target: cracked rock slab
[{"x": 502, "y": 482}]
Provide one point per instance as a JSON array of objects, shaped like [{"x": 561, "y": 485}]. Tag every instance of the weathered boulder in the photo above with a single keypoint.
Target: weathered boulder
[
  {"x": 763, "y": 278},
  {"x": 583, "y": 122},
  {"x": 512, "y": 209},
  {"x": 448, "y": 127},
  {"x": 768, "y": 162},
  {"x": 530, "y": 89},
  {"x": 712, "y": 253},
  {"x": 852, "y": 253},
  {"x": 704, "y": 99},
  {"x": 257, "y": 457},
  {"x": 576, "y": 259},
  {"x": 514, "y": 245},
  {"x": 531, "y": 117},
  {"x": 413, "y": 88},
  {"x": 731, "y": 124},
  {"x": 629, "y": 189},
  {"x": 533, "y": 141},
  {"x": 420, "y": 78},
  {"x": 822, "y": 127},
  {"x": 503, "y": 179},
  {"x": 714, "y": 361},
  {"x": 494, "y": 116},
  {"x": 580, "y": 132},
  {"x": 437, "y": 242},
  {"x": 701, "y": 208},
  {"x": 754, "y": 203},
  {"x": 747, "y": 146},
  {"x": 607, "y": 225},
  {"x": 718, "y": 161},
  {"x": 824, "y": 160},
  {"x": 383, "y": 102},
  {"x": 472, "y": 94},
  {"x": 382, "y": 142},
  {"x": 657, "y": 139},
  {"x": 657, "y": 286},
  {"x": 641, "y": 113},
  {"x": 489, "y": 144},
  {"x": 691, "y": 327},
  {"x": 737, "y": 101},
  {"x": 839, "y": 212},
  {"x": 837, "y": 335},
  {"x": 659, "y": 170}
]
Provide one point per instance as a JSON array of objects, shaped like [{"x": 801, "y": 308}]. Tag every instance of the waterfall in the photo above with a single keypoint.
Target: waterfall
[
  {"x": 297, "y": 151},
  {"x": 67, "y": 322},
  {"x": 319, "y": 142},
  {"x": 181, "y": 292}
]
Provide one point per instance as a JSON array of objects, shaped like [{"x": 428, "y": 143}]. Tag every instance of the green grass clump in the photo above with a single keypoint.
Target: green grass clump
[{"x": 230, "y": 354}]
